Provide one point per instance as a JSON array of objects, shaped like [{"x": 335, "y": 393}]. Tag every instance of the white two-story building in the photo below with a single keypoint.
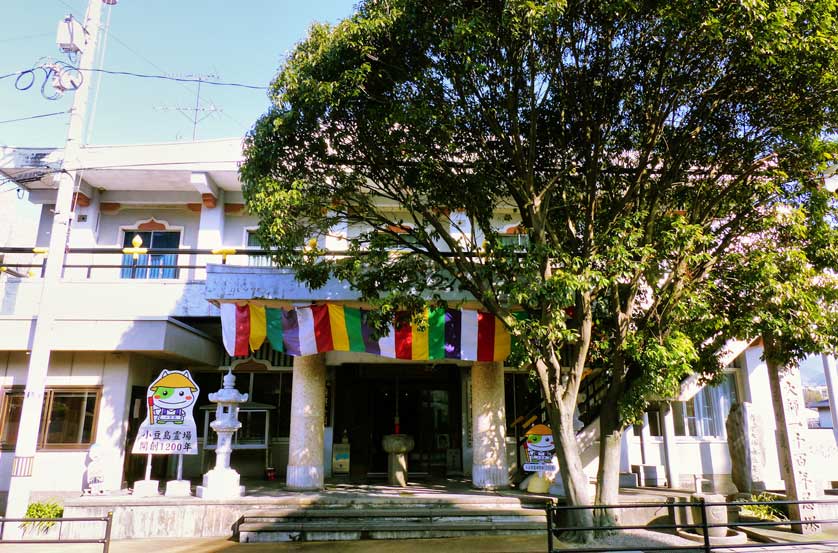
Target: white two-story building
[{"x": 123, "y": 318}]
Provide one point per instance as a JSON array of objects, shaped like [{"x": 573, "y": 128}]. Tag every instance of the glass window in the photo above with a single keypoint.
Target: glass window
[
  {"x": 68, "y": 418},
  {"x": 12, "y": 407},
  {"x": 519, "y": 241},
  {"x": 256, "y": 260},
  {"x": 151, "y": 266},
  {"x": 704, "y": 415}
]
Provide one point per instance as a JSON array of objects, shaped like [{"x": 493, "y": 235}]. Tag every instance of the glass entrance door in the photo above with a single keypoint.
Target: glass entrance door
[
  {"x": 424, "y": 413},
  {"x": 429, "y": 410}
]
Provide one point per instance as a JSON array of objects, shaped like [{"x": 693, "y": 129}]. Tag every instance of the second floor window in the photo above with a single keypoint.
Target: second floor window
[
  {"x": 152, "y": 265},
  {"x": 256, "y": 260}
]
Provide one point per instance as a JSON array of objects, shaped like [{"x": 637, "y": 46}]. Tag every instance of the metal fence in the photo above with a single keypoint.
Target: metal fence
[
  {"x": 105, "y": 540},
  {"x": 557, "y": 515}
]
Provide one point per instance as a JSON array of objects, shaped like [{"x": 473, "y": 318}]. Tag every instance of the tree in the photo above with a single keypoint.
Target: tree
[{"x": 634, "y": 143}]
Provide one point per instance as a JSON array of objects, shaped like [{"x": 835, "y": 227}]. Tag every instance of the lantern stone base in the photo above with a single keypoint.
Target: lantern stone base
[
  {"x": 146, "y": 488},
  {"x": 178, "y": 488},
  {"x": 220, "y": 484}
]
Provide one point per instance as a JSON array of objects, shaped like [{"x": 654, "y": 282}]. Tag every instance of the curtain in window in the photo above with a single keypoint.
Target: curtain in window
[
  {"x": 152, "y": 239},
  {"x": 705, "y": 414}
]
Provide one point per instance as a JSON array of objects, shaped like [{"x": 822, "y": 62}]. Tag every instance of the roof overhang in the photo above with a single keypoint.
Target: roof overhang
[
  {"x": 169, "y": 167},
  {"x": 159, "y": 337}
]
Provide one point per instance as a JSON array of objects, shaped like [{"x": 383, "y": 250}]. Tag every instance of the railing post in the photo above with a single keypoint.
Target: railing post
[
  {"x": 704, "y": 528},
  {"x": 108, "y": 525},
  {"x": 550, "y": 527}
]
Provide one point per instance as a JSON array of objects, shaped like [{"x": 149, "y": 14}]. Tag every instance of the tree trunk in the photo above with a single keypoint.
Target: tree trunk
[
  {"x": 570, "y": 467},
  {"x": 608, "y": 471},
  {"x": 610, "y": 436},
  {"x": 786, "y": 397}
]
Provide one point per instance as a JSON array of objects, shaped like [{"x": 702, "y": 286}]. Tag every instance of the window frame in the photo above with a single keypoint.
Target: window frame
[
  {"x": 49, "y": 397},
  {"x": 130, "y": 231},
  {"x": 702, "y": 404}
]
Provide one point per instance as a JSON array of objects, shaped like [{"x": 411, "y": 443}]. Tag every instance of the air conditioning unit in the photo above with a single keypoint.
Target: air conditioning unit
[{"x": 71, "y": 36}]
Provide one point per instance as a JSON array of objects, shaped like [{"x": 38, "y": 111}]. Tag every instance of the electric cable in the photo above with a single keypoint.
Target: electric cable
[
  {"x": 34, "y": 117},
  {"x": 177, "y": 79},
  {"x": 24, "y": 37}
]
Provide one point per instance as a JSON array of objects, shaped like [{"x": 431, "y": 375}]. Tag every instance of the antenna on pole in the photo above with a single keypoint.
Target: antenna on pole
[{"x": 197, "y": 113}]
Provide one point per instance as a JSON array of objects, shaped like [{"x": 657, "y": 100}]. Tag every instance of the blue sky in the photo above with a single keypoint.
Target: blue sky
[{"x": 244, "y": 42}]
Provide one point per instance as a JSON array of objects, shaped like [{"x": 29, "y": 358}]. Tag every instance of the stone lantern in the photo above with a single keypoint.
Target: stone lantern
[{"x": 222, "y": 482}]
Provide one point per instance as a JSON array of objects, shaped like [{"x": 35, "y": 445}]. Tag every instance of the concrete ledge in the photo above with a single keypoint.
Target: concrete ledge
[{"x": 166, "y": 517}]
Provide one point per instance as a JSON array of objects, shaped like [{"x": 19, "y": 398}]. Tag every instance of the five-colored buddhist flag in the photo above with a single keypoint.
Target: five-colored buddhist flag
[{"x": 439, "y": 333}]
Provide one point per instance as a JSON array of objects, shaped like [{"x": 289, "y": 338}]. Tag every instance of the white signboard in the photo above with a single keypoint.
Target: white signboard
[{"x": 169, "y": 427}]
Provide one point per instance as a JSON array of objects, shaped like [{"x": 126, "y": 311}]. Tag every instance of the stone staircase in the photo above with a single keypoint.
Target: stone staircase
[{"x": 394, "y": 518}]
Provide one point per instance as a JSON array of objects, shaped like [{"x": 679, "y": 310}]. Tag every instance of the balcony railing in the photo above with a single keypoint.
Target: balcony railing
[{"x": 130, "y": 263}]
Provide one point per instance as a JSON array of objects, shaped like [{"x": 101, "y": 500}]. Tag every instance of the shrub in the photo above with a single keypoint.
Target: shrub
[
  {"x": 764, "y": 512},
  {"x": 39, "y": 510}
]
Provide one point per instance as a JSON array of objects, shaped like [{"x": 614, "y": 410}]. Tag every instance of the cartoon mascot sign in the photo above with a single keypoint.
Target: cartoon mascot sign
[
  {"x": 169, "y": 427},
  {"x": 540, "y": 449}
]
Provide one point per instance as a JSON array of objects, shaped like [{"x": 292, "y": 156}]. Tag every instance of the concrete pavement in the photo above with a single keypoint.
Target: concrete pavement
[{"x": 488, "y": 544}]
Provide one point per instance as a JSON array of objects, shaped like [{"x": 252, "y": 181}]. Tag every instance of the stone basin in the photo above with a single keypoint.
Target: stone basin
[{"x": 397, "y": 443}]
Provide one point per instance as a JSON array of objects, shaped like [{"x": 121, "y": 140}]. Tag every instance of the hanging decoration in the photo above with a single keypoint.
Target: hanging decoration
[{"x": 464, "y": 334}]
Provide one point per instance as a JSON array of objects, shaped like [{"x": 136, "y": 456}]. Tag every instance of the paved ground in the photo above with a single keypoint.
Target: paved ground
[{"x": 489, "y": 544}]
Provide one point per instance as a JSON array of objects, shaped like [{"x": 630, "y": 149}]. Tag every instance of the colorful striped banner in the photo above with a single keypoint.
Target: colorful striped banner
[{"x": 465, "y": 334}]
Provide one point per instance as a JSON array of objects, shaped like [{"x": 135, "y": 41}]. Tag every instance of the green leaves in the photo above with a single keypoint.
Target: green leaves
[{"x": 647, "y": 150}]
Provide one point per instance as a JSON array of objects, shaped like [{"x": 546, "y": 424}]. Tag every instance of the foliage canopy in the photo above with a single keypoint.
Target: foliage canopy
[{"x": 641, "y": 147}]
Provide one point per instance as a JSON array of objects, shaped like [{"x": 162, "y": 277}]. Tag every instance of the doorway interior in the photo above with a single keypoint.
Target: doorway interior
[{"x": 426, "y": 399}]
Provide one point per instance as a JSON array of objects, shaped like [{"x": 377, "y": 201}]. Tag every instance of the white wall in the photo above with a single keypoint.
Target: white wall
[
  {"x": 64, "y": 471},
  {"x": 758, "y": 392}
]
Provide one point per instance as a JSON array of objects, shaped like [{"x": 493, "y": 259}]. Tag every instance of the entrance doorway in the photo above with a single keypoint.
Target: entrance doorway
[{"x": 427, "y": 400}]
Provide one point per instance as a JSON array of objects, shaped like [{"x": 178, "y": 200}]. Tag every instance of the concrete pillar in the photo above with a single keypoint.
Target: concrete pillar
[
  {"x": 625, "y": 450},
  {"x": 308, "y": 405},
  {"x": 489, "y": 470},
  {"x": 84, "y": 235},
  {"x": 210, "y": 227},
  {"x": 673, "y": 475}
]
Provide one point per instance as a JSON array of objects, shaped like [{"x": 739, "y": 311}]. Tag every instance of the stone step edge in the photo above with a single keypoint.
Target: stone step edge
[
  {"x": 281, "y": 537},
  {"x": 378, "y": 513},
  {"x": 404, "y": 527}
]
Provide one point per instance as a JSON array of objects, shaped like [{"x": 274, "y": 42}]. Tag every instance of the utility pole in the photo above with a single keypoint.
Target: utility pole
[{"x": 31, "y": 412}]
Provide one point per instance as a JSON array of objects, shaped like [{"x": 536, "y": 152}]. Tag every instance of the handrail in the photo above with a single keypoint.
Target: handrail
[
  {"x": 703, "y": 525},
  {"x": 105, "y": 540}
]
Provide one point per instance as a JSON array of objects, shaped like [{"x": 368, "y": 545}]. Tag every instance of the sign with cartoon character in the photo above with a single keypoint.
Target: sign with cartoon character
[
  {"x": 169, "y": 427},
  {"x": 540, "y": 449}
]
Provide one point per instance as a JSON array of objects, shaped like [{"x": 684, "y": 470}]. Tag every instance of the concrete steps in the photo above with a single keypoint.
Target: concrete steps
[{"x": 390, "y": 520}]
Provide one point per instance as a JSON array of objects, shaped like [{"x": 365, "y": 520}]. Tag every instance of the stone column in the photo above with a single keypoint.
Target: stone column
[
  {"x": 308, "y": 404},
  {"x": 673, "y": 475},
  {"x": 787, "y": 398},
  {"x": 488, "y": 405}
]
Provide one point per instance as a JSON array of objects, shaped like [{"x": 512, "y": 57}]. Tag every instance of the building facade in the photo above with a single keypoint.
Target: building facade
[{"x": 161, "y": 241}]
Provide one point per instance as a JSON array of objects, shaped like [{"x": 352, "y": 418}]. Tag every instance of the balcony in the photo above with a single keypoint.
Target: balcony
[{"x": 119, "y": 282}]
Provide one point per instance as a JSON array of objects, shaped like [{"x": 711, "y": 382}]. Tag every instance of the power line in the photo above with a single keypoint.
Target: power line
[
  {"x": 164, "y": 71},
  {"x": 24, "y": 37},
  {"x": 34, "y": 117},
  {"x": 176, "y": 79}
]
